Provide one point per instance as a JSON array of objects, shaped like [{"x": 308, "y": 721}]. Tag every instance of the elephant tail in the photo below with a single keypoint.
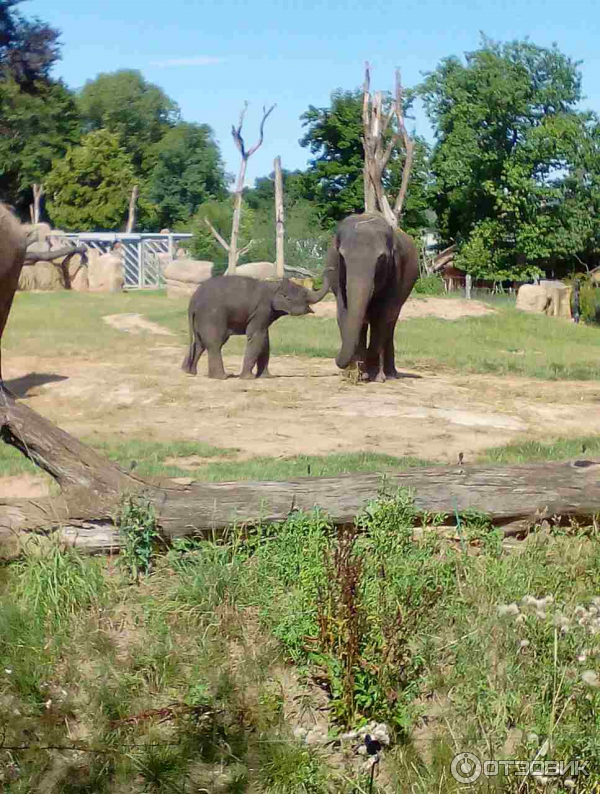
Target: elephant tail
[
  {"x": 188, "y": 362},
  {"x": 358, "y": 295}
]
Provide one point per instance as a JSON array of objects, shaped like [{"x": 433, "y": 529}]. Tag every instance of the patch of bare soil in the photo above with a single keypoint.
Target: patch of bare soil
[
  {"x": 415, "y": 308},
  {"x": 27, "y": 486},
  {"x": 306, "y": 408},
  {"x": 135, "y": 324}
]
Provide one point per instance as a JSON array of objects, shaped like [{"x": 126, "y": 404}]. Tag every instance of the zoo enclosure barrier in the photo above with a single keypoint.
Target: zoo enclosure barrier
[{"x": 140, "y": 253}]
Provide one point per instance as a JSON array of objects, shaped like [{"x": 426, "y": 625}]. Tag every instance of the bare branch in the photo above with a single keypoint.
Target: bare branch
[
  {"x": 408, "y": 145},
  {"x": 216, "y": 235},
  {"x": 31, "y": 257},
  {"x": 237, "y": 133},
  {"x": 245, "y": 249},
  {"x": 266, "y": 114}
]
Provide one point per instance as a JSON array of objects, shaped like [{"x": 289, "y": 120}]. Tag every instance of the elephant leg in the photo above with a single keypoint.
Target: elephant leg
[
  {"x": 389, "y": 358},
  {"x": 216, "y": 370},
  {"x": 381, "y": 347},
  {"x": 262, "y": 363},
  {"x": 255, "y": 345},
  {"x": 190, "y": 363}
]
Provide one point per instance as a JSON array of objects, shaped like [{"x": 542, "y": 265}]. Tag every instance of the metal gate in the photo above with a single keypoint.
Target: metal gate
[{"x": 140, "y": 253}]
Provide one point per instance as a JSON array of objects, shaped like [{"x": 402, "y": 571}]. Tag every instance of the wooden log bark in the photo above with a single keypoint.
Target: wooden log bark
[
  {"x": 92, "y": 488},
  {"x": 279, "y": 219}
]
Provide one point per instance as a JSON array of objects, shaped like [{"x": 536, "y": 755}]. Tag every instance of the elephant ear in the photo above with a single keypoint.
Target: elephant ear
[{"x": 280, "y": 300}]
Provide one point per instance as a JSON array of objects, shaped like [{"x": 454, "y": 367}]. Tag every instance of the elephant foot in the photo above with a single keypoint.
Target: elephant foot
[
  {"x": 224, "y": 376},
  {"x": 392, "y": 375},
  {"x": 265, "y": 374},
  {"x": 246, "y": 376},
  {"x": 379, "y": 378}
]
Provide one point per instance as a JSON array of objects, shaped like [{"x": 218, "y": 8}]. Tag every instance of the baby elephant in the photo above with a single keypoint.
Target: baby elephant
[{"x": 226, "y": 305}]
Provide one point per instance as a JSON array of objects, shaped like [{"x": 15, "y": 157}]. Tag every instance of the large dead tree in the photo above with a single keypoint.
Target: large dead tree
[
  {"x": 232, "y": 246},
  {"x": 380, "y": 139},
  {"x": 92, "y": 489}
]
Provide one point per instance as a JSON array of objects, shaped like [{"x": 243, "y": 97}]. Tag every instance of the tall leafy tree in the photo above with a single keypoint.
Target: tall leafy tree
[
  {"x": 35, "y": 128},
  {"x": 334, "y": 179},
  {"x": 189, "y": 171},
  {"x": 507, "y": 130},
  {"x": 125, "y": 103},
  {"x": 28, "y": 48},
  {"x": 88, "y": 189}
]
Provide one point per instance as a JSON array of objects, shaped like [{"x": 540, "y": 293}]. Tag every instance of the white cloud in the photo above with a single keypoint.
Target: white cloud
[{"x": 196, "y": 60}]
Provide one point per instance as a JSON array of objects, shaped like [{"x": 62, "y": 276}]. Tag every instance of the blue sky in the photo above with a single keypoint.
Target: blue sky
[{"x": 210, "y": 56}]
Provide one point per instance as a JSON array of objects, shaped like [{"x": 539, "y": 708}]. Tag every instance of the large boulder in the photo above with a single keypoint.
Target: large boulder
[
  {"x": 44, "y": 276},
  {"x": 549, "y": 297},
  {"x": 182, "y": 276},
  {"x": 106, "y": 272},
  {"x": 263, "y": 270}
]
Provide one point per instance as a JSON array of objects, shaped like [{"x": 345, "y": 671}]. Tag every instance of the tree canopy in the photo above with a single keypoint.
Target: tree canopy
[
  {"x": 508, "y": 135},
  {"x": 28, "y": 48},
  {"x": 188, "y": 171},
  {"x": 88, "y": 189},
  {"x": 125, "y": 103}
]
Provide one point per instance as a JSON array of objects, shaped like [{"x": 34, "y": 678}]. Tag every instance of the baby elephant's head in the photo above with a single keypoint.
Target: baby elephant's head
[{"x": 293, "y": 299}]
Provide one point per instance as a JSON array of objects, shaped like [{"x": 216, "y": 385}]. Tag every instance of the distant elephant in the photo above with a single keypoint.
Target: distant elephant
[
  {"x": 224, "y": 306},
  {"x": 13, "y": 246},
  {"x": 372, "y": 270}
]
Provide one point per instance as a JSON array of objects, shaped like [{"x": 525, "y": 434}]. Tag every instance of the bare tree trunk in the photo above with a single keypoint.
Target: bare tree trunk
[
  {"x": 237, "y": 214},
  {"x": 515, "y": 497},
  {"x": 279, "y": 219},
  {"x": 132, "y": 217},
  {"x": 234, "y": 254},
  {"x": 377, "y": 156},
  {"x": 35, "y": 208}
]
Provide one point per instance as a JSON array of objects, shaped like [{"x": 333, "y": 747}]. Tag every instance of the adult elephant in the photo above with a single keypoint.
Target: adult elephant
[
  {"x": 13, "y": 246},
  {"x": 372, "y": 270}
]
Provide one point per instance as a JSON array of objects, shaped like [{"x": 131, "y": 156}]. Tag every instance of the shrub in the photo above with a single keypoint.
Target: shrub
[{"x": 429, "y": 285}]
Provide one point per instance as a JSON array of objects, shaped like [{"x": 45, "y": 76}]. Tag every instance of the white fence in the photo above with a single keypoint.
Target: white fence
[{"x": 140, "y": 253}]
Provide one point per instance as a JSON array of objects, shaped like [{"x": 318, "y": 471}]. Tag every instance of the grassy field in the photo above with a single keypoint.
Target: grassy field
[
  {"x": 239, "y": 666},
  {"x": 506, "y": 343}
]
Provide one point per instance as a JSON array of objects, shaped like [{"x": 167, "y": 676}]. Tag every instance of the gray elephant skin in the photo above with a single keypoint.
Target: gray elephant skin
[
  {"x": 372, "y": 270},
  {"x": 224, "y": 306}
]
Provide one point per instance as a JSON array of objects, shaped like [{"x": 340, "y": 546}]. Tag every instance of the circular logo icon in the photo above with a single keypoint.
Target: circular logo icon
[{"x": 465, "y": 768}]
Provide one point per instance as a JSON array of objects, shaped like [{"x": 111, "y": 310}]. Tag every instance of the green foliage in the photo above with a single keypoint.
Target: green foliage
[
  {"x": 589, "y": 297},
  {"x": 38, "y": 127},
  {"x": 188, "y": 172},
  {"x": 429, "y": 285},
  {"x": 138, "y": 112},
  {"x": 58, "y": 583},
  {"x": 88, "y": 189},
  {"x": 510, "y": 148},
  {"x": 138, "y": 527},
  {"x": 350, "y": 604},
  {"x": 28, "y": 48}
]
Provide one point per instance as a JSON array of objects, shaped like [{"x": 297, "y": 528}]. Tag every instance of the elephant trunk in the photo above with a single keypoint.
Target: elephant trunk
[
  {"x": 358, "y": 295},
  {"x": 318, "y": 295}
]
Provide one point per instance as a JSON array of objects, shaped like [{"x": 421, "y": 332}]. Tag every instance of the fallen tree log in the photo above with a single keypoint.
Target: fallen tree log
[{"x": 92, "y": 488}]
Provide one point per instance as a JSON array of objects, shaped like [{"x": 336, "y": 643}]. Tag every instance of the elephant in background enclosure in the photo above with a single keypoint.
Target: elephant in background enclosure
[
  {"x": 372, "y": 269},
  {"x": 224, "y": 306}
]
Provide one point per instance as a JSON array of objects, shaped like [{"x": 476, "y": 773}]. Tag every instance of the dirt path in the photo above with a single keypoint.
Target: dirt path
[{"x": 307, "y": 408}]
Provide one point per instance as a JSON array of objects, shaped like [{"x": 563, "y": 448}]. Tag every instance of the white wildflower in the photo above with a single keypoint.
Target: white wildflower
[{"x": 590, "y": 678}]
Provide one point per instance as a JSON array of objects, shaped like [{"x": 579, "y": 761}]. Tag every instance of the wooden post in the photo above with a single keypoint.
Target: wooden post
[
  {"x": 279, "y": 218},
  {"x": 35, "y": 208},
  {"x": 468, "y": 285},
  {"x": 131, "y": 219}
]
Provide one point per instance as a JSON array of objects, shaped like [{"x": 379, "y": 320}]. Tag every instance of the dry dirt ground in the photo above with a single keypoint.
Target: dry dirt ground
[{"x": 306, "y": 408}]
